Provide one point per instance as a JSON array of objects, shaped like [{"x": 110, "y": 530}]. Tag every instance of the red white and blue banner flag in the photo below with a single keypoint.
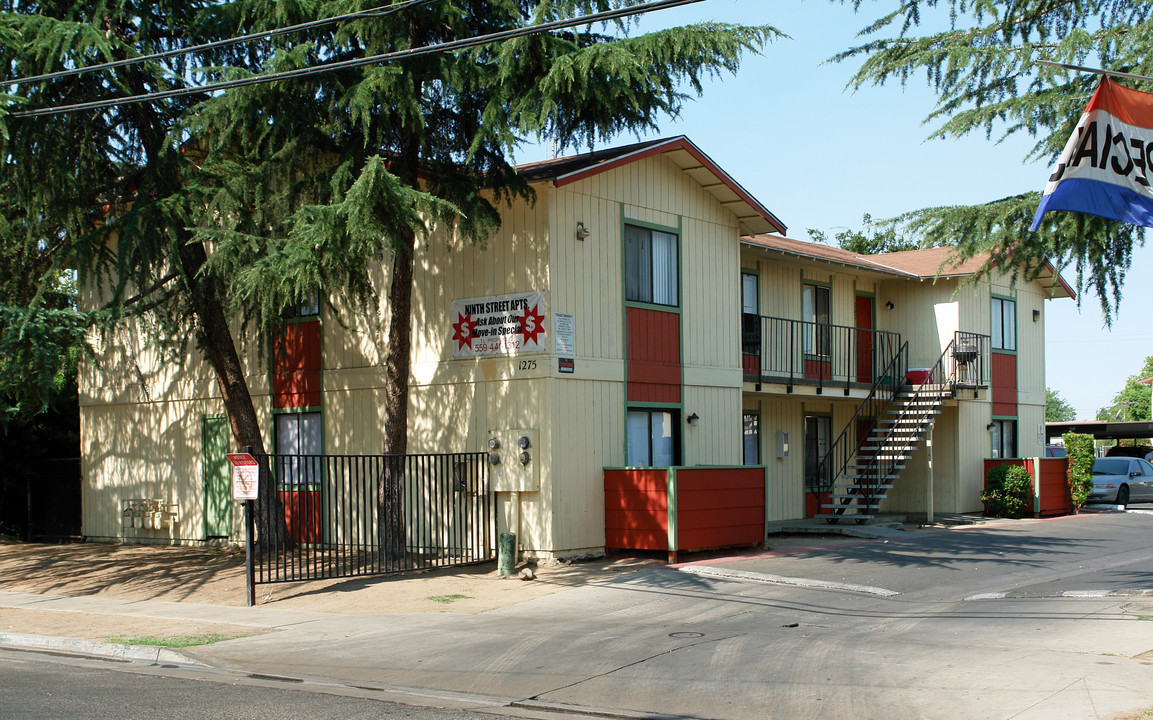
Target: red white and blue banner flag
[{"x": 1105, "y": 168}]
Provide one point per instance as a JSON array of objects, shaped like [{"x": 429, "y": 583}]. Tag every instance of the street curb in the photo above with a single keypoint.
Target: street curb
[{"x": 89, "y": 648}]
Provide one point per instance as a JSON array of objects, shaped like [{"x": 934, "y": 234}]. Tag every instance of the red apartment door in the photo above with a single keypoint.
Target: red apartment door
[{"x": 864, "y": 339}]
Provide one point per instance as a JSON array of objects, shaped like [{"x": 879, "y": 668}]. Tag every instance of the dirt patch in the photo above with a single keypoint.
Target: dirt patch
[{"x": 216, "y": 577}]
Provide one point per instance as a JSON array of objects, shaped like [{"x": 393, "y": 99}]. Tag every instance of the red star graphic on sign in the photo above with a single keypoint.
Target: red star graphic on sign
[
  {"x": 462, "y": 331},
  {"x": 531, "y": 325}
]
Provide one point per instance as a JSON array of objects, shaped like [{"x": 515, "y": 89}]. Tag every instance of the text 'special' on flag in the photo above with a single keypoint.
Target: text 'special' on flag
[{"x": 1105, "y": 168}]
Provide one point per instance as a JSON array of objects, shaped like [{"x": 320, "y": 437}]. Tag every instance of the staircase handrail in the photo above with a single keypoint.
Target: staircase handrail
[
  {"x": 874, "y": 466},
  {"x": 890, "y": 378}
]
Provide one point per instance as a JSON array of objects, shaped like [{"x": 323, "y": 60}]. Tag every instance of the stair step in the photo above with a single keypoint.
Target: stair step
[
  {"x": 880, "y": 486},
  {"x": 857, "y": 467},
  {"x": 863, "y": 506}
]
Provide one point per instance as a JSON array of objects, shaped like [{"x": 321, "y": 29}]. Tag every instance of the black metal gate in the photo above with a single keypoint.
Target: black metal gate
[{"x": 438, "y": 512}]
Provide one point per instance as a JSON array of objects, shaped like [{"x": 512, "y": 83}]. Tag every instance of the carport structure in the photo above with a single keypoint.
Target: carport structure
[{"x": 1102, "y": 429}]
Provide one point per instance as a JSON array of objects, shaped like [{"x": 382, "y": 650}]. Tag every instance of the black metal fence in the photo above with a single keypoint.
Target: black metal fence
[
  {"x": 780, "y": 350},
  {"x": 437, "y": 512}
]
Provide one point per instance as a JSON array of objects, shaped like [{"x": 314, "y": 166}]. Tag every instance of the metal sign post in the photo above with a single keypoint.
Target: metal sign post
[{"x": 246, "y": 487}]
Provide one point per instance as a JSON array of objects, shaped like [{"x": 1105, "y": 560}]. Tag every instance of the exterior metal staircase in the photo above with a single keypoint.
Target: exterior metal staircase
[
  {"x": 858, "y": 493},
  {"x": 899, "y": 417}
]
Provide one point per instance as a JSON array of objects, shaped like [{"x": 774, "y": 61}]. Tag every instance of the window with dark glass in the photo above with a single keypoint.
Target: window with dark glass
[
  {"x": 752, "y": 438},
  {"x": 298, "y": 435},
  {"x": 652, "y": 438},
  {"x": 1004, "y": 438},
  {"x": 818, "y": 428},
  {"x": 651, "y": 266},
  {"x": 815, "y": 303},
  {"x": 309, "y": 306},
  {"x": 1003, "y": 324}
]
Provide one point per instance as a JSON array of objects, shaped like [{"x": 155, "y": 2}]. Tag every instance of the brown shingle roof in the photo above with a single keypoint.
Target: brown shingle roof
[{"x": 921, "y": 264}]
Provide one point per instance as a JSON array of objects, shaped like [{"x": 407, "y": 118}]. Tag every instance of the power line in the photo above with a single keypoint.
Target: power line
[
  {"x": 1095, "y": 71},
  {"x": 383, "y": 11},
  {"x": 359, "y": 62}
]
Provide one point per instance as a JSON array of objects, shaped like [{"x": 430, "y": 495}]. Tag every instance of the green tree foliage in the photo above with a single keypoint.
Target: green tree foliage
[
  {"x": 1008, "y": 491},
  {"x": 981, "y": 63},
  {"x": 872, "y": 239},
  {"x": 1057, "y": 408},
  {"x": 192, "y": 210},
  {"x": 1079, "y": 448},
  {"x": 1132, "y": 402}
]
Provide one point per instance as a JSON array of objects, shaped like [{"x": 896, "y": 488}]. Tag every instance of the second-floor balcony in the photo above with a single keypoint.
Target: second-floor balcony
[{"x": 796, "y": 352}]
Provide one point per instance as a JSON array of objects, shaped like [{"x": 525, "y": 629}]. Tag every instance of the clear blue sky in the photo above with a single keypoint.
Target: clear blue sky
[{"x": 820, "y": 157}]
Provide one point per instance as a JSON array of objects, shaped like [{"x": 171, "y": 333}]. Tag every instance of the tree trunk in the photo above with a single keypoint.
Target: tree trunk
[
  {"x": 390, "y": 484},
  {"x": 217, "y": 344}
]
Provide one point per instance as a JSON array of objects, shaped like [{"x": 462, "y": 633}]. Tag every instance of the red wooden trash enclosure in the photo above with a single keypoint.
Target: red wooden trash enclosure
[
  {"x": 684, "y": 508},
  {"x": 1050, "y": 483}
]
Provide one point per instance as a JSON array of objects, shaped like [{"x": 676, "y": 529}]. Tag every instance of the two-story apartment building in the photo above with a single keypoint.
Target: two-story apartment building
[{"x": 646, "y": 310}]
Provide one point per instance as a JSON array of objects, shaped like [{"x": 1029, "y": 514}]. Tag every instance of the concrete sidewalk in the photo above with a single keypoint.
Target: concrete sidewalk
[{"x": 647, "y": 639}]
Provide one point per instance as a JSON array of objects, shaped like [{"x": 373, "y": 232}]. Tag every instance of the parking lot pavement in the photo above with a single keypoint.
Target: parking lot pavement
[{"x": 1102, "y": 552}]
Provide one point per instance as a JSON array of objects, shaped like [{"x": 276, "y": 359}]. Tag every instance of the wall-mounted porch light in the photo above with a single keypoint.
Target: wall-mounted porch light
[
  {"x": 582, "y": 232},
  {"x": 693, "y": 419},
  {"x": 1036, "y": 315},
  {"x": 889, "y": 304}
]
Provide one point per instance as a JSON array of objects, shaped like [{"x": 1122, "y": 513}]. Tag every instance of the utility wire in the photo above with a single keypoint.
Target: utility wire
[
  {"x": 371, "y": 60},
  {"x": 1095, "y": 71},
  {"x": 382, "y": 11}
]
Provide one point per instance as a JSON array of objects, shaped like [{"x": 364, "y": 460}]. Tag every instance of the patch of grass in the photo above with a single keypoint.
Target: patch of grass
[
  {"x": 172, "y": 641},
  {"x": 446, "y": 599}
]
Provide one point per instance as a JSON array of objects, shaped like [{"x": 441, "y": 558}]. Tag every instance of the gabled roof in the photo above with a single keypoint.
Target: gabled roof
[
  {"x": 919, "y": 264},
  {"x": 752, "y": 216}
]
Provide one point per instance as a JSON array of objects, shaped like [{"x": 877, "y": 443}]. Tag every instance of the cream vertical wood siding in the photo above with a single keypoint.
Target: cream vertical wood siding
[
  {"x": 588, "y": 429},
  {"x": 786, "y": 476},
  {"x": 149, "y": 450}
]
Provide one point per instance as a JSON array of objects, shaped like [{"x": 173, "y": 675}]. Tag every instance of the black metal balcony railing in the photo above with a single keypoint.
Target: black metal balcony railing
[
  {"x": 969, "y": 360},
  {"x": 779, "y": 350}
]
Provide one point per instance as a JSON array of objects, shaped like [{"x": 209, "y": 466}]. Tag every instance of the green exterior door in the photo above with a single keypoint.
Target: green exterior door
[{"x": 217, "y": 477}]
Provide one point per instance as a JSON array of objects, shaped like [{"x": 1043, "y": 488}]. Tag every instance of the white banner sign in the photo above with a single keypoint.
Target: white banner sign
[
  {"x": 564, "y": 330},
  {"x": 498, "y": 325},
  {"x": 245, "y": 476}
]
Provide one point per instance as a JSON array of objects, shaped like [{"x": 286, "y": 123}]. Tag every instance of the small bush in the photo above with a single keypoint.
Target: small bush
[
  {"x": 1008, "y": 491},
  {"x": 1079, "y": 447}
]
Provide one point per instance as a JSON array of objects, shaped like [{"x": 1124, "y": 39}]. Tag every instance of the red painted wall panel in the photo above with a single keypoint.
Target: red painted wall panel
[
  {"x": 1003, "y": 384},
  {"x": 303, "y": 514},
  {"x": 296, "y": 366},
  {"x": 720, "y": 506},
  {"x": 818, "y": 369},
  {"x": 653, "y": 347},
  {"x": 636, "y": 509}
]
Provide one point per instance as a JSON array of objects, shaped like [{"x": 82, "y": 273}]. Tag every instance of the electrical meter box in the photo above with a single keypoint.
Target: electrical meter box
[{"x": 512, "y": 460}]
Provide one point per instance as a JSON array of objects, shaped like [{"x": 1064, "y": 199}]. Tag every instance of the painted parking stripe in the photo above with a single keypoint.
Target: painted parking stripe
[
  {"x": 1066, "y": 593},
  {"x": 742, "y": 575}
]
